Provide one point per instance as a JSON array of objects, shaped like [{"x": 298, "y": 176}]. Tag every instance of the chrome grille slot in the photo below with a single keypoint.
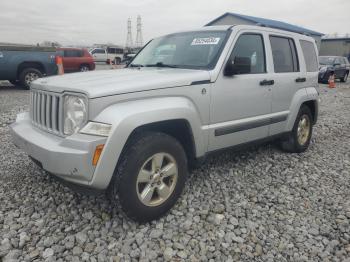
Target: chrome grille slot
[{"x": 46, "y": 111}]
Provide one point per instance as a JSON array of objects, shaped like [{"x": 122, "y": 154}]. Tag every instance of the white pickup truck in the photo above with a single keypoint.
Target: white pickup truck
[{"x": 134, "y": 132}]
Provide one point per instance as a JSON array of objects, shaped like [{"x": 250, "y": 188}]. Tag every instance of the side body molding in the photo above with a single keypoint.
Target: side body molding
[{"x": 125, "y": 117}]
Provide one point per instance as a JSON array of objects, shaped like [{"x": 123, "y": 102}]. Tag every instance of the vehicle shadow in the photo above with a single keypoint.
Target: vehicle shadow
[{"x": 9, "y": 87}]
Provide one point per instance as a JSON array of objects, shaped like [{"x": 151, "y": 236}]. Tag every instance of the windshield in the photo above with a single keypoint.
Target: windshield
[
  {"x": 326, "y": 60},
  {"x": 194, "y": 50}
]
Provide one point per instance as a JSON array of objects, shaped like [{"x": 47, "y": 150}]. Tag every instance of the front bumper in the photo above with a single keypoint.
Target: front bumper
[{"x": 69, "y": 158}]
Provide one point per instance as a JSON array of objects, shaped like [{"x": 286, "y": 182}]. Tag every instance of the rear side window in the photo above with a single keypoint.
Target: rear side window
[
  {"x": 284, "y": 54},
  {"x": 250, "y": 48},
  {"x": 309, "y": 55},
  {"x": 73, "y": 53},
  {"x": 98, "y": 51},
  {"x": 113, "y": 50}
]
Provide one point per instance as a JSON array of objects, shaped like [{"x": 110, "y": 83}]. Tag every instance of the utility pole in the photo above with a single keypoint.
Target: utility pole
[
  {"x": 129, "y": 43},
  {"x": 139, "y": 40}
]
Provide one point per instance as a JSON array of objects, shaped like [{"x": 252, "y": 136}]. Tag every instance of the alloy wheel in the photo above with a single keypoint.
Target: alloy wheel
[
  {"x": 303, "y": 132},
  {"x": 157, "y": 179},
  {"x": 30, "y": 77}
]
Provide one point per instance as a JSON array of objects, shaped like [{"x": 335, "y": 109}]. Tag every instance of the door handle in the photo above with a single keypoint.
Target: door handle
[
  {"x": 267, "y": 82},
  {"x": 300, "y": 79}
]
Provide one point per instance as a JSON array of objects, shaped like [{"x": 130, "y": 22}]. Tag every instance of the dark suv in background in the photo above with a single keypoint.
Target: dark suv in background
[{"x": 337, "y": 64}]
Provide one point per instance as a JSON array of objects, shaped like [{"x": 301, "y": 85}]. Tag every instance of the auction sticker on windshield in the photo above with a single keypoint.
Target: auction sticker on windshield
[{"x": 206, "y": 41}]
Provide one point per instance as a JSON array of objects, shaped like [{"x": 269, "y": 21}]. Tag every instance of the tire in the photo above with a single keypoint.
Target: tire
[
  {"x": 345, "y": 78},
  {"x": 117, "y": 61},
  {"x": 130, "y": 187},
  {"x": 295, "y": 143},
  {"x": 84, "y": 68},
  {"x": 28, "y": 75}
]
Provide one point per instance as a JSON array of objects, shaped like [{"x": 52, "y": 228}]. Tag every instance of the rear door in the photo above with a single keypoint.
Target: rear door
[
  {"x": 71, "y": 60},
  {"x": 309, "y": 57},
  {"x": 287, "y": 76}
]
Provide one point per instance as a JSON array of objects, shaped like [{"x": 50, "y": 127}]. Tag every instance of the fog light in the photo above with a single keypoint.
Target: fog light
[{"x": 97, "y": 154}]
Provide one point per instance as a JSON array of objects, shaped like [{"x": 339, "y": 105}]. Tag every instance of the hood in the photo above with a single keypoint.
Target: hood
[{"x": 113, "y": 82}]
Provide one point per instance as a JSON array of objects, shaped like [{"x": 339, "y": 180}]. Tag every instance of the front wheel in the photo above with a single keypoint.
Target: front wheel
[
  {"x": 299, "y": 139},
  {"x": 150, "y": 176}
]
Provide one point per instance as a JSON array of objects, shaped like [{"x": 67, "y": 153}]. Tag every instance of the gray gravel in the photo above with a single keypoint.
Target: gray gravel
[{"x": 260, "y": 204}]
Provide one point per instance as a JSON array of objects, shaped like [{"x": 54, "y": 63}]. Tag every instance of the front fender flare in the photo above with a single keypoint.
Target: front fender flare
[{"x": 125, "y": 117}]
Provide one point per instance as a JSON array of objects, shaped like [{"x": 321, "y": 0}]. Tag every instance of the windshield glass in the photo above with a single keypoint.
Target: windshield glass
[
  {"x": 326, "y": 60},
  {"x": 194, "y": 50}
]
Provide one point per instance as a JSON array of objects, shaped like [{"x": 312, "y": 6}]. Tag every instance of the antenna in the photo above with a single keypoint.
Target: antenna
[
  {"x": 129, "y": 42},
  {"x": 139, "y": 40}
]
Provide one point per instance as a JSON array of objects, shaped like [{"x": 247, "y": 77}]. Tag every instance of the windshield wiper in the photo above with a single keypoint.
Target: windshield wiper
[
  {"x": 160, "y": 64},
  {"x": 136, "y": 65}
]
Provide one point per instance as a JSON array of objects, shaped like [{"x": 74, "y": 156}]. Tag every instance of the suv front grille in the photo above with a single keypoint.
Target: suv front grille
[{"x": 46, "y": 111}]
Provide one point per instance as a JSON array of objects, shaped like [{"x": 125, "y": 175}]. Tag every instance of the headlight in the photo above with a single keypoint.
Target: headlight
[
  {"x": 323, "y": 69},
  {"x": 94, "y": 128},
  {"x": 74, "y": 113}
]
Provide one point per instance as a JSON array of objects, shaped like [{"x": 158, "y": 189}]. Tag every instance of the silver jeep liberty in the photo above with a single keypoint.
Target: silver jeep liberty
[{"x": 134, "y": 132}]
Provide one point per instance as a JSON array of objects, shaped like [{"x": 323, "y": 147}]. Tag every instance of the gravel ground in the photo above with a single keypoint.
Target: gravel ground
[{"x": 257, "y": 205}]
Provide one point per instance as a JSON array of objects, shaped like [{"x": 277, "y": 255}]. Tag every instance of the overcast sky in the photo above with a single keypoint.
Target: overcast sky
[{"x": 86, "y": 22}]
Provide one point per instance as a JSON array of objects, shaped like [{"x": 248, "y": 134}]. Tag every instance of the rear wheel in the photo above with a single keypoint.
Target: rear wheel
[
  {"x": 28, "y": 75},
  {"x": 84, "y": 68},
  {"x": 150, "y": 177},
  {"x": 345, "y": 78},
  {"x": 299, "y": 139}
]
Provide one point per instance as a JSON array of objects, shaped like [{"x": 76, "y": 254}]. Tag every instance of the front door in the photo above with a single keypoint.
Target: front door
[{"x": 241, "y": 104}]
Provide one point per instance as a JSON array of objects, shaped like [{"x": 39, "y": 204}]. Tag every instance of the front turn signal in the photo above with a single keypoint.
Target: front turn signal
[{"x": 97, "y": 154}]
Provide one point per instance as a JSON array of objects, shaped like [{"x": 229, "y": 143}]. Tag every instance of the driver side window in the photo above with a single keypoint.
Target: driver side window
[{"x": 249, "y": 52}]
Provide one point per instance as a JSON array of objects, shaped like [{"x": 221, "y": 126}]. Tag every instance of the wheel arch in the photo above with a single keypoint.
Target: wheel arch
[
  {"x": 313, "y": 106},
  {"x": 30, "y": 64},
  {"x": 180, "y": 129},
  {"x": 305, "y": 96}
]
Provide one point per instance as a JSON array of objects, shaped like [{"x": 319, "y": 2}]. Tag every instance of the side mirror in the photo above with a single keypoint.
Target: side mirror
[
  {"x": 336, "y": 64},
  {"x": 240, "y": 65}
]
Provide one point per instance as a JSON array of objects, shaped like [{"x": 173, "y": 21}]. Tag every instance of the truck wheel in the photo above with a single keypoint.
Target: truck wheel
[
  {"x": 28, "y": 75},
  {"x": 150, "y": 176},
  {"x": 299, "y": 139},
  {"x": 84, "y": 68},
  {"x": 345, "y": 78}
]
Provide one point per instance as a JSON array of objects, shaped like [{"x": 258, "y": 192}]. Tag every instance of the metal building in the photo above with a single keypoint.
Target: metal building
[
  {"x": 336, "y": 47},
  {"x": 238, "y": 19}
]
